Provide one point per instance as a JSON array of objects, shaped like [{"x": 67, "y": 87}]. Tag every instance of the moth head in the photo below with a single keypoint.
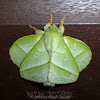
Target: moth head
[
  {"x": 53, "y": 28},
  {"x": 49, "y": 25}
]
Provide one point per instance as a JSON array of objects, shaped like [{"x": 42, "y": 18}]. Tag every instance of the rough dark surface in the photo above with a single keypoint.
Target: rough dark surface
[
  {"x": 38, "y": 11},
  {"x": 13, "y": 87}
]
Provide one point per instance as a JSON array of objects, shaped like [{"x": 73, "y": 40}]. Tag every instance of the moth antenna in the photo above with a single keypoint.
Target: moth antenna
[
  {"x": 62, "y": 20},
  {"x": 61, "y": 27},
  {"x": 48, "y": 24},
  {"x": 50, "y": 18},
  {"x": 32, "y": 27}
]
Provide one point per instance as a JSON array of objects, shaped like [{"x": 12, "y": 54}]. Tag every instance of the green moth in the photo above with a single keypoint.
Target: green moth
[{"x": 48, "y": 57}]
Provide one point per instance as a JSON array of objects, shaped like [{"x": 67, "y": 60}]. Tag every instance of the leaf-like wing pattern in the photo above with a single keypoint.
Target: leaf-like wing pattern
[
  {"x": 48, "y": 57},
  {"x": 79, "y": 50},
  {"x": 30, "y": 54},
  {"x": 63, "y": 67},
  {"x": 21, "y": 47}
]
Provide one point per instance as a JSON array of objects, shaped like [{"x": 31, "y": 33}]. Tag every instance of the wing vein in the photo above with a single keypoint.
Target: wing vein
[
  {"x": 21, "y": 49},
  {"x": 71, "y": 54},
  {"x": 34, "y": 67},
  {"x": 80, "y": 54},
  {"x": 64, "y": 69},
  {"x": 30, "y": 51}
]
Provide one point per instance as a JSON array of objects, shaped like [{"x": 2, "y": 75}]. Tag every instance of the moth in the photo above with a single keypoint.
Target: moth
[{"x": 48, "y": 57}]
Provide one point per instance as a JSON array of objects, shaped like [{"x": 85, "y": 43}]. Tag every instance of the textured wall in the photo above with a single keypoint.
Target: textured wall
[{"x": 37, "y": 11}]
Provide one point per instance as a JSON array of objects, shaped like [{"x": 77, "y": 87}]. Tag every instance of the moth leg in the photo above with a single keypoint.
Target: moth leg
[
  {"x": 37, "y": 31},
  {"x": 48, "y": 24},
  {"x": 61, "y": 27}
]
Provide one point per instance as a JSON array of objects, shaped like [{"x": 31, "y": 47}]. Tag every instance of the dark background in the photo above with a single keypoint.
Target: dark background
[{"x": 82, "y": 22}]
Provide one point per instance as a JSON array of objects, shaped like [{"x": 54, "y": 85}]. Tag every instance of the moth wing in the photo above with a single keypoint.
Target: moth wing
[
  {"x": 21, "y": 47},
  {"x": 63, "y": 67},
  {"x": 79, "y": 50},
  {"x": 30, "y": 54}
]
